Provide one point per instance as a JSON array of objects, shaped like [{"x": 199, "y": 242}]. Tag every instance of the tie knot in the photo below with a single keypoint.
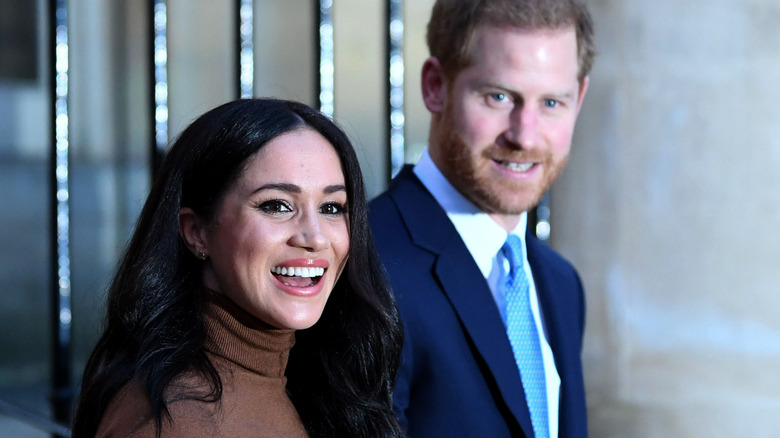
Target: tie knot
[{"x": 513, "y": 251}]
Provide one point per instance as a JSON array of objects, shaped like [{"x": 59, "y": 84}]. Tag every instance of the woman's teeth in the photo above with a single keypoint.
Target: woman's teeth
[{"x": 298, "y": 272}]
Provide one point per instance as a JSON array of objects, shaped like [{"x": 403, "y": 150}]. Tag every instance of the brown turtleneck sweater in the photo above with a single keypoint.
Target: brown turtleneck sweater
[{"x": 251, "y": 358}]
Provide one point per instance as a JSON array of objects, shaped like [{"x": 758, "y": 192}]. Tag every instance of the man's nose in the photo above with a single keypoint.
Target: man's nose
[{"x": 523, "y": 129}]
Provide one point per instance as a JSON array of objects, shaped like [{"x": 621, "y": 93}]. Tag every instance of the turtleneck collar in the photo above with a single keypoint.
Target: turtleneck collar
[{"x": 237, "y": 336}]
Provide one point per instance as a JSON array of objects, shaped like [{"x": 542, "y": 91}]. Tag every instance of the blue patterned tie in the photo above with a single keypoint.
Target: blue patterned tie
[{"x": 524, "y": 337}]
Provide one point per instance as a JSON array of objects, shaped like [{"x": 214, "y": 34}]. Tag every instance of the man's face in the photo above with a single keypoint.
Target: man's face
[{"x": 504, "y": 129}]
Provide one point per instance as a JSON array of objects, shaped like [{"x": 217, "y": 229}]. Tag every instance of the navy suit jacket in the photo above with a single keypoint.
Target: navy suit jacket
[{"x": 458, "y": 376}]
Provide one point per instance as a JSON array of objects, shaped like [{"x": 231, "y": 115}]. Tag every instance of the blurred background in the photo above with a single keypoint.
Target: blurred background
[{"x": 669, "y": 206}]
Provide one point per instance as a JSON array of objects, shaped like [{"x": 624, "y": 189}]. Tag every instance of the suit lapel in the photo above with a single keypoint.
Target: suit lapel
[
  {"x": 464, "y": 285},
  {"x": 561, "y": 322}
]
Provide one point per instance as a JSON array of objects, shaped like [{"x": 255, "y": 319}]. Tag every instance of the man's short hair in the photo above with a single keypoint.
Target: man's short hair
[{"x": 454, "y": 22}]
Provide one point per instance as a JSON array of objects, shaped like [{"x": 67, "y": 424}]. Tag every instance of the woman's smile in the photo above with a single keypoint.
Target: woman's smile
[{"x": 302, "y": 277}]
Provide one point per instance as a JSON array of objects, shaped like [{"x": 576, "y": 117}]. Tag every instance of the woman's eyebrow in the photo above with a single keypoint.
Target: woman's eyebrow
[
  {"x": 292, "y": 188},
  {"x": 284, "y": 187},
  {"x": 335, "y": 188}
]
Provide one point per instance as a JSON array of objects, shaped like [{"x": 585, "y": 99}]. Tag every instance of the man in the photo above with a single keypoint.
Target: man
[{"x": 493, "y": 318}]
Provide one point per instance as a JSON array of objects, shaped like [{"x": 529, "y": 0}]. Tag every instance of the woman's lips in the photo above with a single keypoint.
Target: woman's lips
[{"x": 300, "y": 276}]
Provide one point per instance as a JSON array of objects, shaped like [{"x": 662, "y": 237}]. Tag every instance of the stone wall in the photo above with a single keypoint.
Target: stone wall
[{"x": 670, "y": 208}]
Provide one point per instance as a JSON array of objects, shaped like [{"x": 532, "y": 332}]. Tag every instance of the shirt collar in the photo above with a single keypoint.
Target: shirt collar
[{"x": 481, "y": 234}]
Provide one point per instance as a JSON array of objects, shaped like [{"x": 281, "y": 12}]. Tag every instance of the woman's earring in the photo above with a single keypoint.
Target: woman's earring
[{"x": 201, "y": 255}]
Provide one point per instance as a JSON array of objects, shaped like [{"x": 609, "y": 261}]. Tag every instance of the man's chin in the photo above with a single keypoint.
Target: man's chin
[
  {"x": 505, "y": 201},
  {"x": 492, "y": 205}
]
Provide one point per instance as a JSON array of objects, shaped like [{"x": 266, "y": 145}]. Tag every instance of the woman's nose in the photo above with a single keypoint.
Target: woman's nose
[{"x": 309, "y": 233}]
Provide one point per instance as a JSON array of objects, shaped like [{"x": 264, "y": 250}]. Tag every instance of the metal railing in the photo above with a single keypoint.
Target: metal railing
[{"x": 62, "y": 388}]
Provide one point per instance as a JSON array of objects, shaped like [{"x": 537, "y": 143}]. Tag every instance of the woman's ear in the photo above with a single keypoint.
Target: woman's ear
[
  {"x": 193, "y": 231},
  {"x": 434, "y": 85}
]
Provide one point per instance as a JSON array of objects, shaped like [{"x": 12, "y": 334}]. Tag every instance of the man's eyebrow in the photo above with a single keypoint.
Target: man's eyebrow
[
  {"x": 562, "y": 95},
  {"x": 567, "y": 95}
]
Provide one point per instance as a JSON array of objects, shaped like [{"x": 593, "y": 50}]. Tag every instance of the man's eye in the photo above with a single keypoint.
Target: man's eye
[
  {"x": 499, "y": 97},
  {"x": 274, "y": 206},
  {"x": 333, "y": 208},
  {"x": 550, "y": 103}
]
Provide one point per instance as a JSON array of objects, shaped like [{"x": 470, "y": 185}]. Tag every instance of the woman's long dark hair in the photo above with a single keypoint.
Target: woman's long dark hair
[{"x": 340, "y": 371}]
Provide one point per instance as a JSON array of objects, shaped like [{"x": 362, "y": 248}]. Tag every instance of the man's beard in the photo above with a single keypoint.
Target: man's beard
[{"x": 491, "y": 194}]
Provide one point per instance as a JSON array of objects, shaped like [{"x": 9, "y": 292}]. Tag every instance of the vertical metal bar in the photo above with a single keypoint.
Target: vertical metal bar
[
  {"x": 395, "y": 85},
  {"x": 61, "y": 315},
  {"x": 246, "y": 50},
  {"x": 159, "y": 79},
  {"x": 326, "y": 70},
  {"x": 541, "y": 218}
]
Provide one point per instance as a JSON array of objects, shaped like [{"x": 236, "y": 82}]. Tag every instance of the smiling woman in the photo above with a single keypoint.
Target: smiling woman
[
  {"x": 286, "y": 212},
  {"x": 250, "y": 301}
]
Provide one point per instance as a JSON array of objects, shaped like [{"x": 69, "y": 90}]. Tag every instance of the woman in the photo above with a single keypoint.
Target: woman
[{"x": 258, "y": 209}]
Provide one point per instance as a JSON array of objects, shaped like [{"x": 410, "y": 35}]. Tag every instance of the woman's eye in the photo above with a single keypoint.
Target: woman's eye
[
  {"x": 333, "y": 208},
  {"x": 275, "y": 206}
]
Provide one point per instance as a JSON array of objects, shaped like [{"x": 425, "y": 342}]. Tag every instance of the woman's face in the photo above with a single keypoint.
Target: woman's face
[{"x": 281, "y": 237}]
